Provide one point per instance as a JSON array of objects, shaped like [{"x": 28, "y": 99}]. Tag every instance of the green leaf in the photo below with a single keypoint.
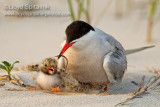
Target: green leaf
[
  {"x": 13, "y": 65},
  {"x": 153, "y": 8},
  {"x": 15, "y": 62},
  {"x": 7, "y": 64},
  {"x": 3, "y": 67}
]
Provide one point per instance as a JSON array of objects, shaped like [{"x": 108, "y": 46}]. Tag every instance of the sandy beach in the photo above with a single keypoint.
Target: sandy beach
[{"x": 32, "y": 39}]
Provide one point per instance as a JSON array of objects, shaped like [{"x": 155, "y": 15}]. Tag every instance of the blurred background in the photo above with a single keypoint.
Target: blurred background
[{"x": 134, "y": 23}]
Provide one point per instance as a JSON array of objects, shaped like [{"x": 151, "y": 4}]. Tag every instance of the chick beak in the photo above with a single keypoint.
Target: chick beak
[
  {"x": 66, "y": 46},
  {"x": 51, "y": 70}
]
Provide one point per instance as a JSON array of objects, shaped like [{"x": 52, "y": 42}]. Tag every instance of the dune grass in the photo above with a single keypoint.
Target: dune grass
[
  {"x": 151, "y": 13},
  {"x": 83, "y": 9}
]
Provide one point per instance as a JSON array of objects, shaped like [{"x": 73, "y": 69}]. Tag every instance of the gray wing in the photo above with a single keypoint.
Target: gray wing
[{"x": 115, "y": 62}]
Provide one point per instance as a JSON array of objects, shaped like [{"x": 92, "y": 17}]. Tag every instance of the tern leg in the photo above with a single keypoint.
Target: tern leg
[
  {"x": 106, "y": 83},
  {"x": 106, "y": 89},
  {"x": 31, "y": 88}
]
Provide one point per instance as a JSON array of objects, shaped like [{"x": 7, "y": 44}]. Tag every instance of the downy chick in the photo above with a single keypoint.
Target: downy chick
[
  {"x": 47, "y": 77},
  {"x": 50, "y": 77},
  {"x": 70, "y": 84}
]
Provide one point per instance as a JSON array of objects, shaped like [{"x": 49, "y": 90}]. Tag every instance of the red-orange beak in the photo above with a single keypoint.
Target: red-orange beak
[
  {"x": 66, "y": 46},
  {"x": 51, "y": 70}
]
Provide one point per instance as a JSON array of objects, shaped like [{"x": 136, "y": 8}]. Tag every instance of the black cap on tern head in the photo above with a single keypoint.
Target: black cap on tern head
[{"x": 77, "y": 29}]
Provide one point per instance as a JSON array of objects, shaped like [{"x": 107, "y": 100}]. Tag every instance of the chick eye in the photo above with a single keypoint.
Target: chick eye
[
  {"x": 45, "y": 65},
  {"x": 36, "y": 65}
]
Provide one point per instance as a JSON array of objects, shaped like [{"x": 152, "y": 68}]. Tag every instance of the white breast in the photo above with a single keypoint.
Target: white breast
[{"x": 47, "y": 82}]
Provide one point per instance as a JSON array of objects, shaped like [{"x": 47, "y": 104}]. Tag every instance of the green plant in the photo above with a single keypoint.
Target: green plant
[
  {"x": 8, "y": 67},
  {"x": 71, "y": 10},
  {"x": 152, "y": 9},
  {"x": 83, "y": 8}
]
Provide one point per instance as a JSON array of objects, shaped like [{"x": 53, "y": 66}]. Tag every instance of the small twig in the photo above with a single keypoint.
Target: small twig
[
  {"x": 149, "y": 83},
  {"x": 158, "y": 84},
  {"x": 15, "y": 82},
  {"x": 154, "y": 81},
  {"x": 4, "y": 77},
  {"x": 153, "y": 70},
  {"x": 140, "y": 86},
  {"x": 135, "y": 94},
  {"x": 140, "y": 92},
  {"x": 19, "y": 80}
]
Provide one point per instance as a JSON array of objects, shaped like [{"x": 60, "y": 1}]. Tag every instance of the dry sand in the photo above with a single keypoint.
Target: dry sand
[{"x": 33, "y": 39}]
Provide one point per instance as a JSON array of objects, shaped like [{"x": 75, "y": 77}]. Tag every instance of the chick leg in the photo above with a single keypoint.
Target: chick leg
[{"x": 57, "y": 89}]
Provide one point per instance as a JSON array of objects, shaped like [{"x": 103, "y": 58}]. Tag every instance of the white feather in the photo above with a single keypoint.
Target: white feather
[{"x": 47, "y": 82}]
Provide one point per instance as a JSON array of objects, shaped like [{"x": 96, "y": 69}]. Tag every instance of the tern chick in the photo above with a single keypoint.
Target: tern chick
[
  {"x": 47, "y": 77},
  {"x": 50, "y": 77},
  {"x": 70, "y": 84}
]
